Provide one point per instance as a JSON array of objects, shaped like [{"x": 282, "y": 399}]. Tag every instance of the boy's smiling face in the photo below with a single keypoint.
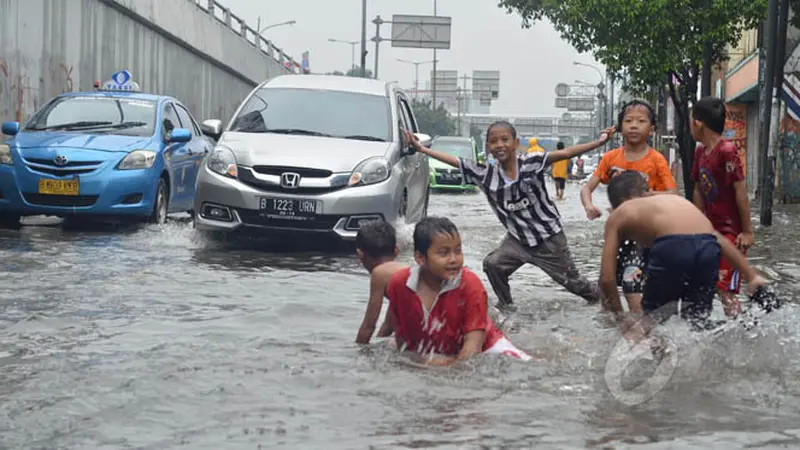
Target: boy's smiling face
[
  {"x": 501, "y": 143},
  {"x": 444, "y": 258}
]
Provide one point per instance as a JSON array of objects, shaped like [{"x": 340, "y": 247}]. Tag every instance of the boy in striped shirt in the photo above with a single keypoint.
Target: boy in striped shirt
[{"x": 516, "y": 189}]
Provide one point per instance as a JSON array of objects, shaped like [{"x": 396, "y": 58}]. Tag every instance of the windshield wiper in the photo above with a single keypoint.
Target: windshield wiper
[
  {"x": 297, "y": 131},
  {"x": 123, "y": 125},
  {"x": 71, "y": 125},
  {"x": 360, "y": 137}
]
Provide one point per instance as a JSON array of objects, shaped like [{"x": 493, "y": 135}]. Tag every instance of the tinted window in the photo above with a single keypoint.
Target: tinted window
[
  {"x": 406, "y": 110},
  {"x": 331, "y": 113},
  {"x": 462, "y": 149},
  {"x": 186, "y": 120},
  {"x": 170, "y": 120},
  {"x": 97, "y": 115}
]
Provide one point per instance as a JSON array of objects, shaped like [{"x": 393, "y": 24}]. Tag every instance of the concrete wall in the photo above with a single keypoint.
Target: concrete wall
[{"x": 172, "y": 47}]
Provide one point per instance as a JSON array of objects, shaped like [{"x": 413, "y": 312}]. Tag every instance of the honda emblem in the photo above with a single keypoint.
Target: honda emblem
[{"x": 290, "y": 180}]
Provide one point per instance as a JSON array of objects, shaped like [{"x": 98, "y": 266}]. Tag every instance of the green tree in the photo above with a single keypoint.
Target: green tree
[
  {"x": 650, "y": 44},
  {"x": 436, "y": 122},
  {"x": 356, "y": 72}
]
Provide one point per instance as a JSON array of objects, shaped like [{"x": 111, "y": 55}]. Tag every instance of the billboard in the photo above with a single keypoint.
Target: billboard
[
  {"x": 486, "y": 85},
  {"x": 445, "y": 82},
  {"x": 421, "y": 31}
]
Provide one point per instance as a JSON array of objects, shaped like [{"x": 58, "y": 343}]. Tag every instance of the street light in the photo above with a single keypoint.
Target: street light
[
  {"x": 353, "y": 49},
  {"x": 416, "y": 72},
  {"x": 601, "y": 87},
  {"x": 261, "y": 30}
]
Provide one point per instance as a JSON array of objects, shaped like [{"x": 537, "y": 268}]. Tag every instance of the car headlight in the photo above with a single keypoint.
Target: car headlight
[
  {"x": 370, "y": 171},
  {"x": 138, "y": 159},
  {"x": 223, "y": 162},
  {"x": 5, "y": 155}
]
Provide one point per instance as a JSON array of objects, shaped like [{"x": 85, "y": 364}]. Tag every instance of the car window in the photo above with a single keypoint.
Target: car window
[
  {"x": 315, "y": 111},
  {"x": 186, "y": 120},
  {"x": 461, "y": 149},
  {"x": 403, "y": 114},
  {"x": 170, "y": 120},
  {"x": 404, "y": 106},
  {"x": 96, "y": 114}
]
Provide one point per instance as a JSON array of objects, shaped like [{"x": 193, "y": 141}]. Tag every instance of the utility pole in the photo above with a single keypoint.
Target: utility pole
[
  {"x": 435, "y": 59},
  {"x": 767, "y": 96},
  {"x": 363, "y": 38},
  {"x": 377, "y": 39},
  {"x": 778, "y": 50}
]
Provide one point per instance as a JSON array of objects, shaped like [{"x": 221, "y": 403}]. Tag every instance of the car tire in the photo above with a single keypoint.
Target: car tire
[
  {"x": 10, "y": 221},
  {"x": 161, "y": 204}
]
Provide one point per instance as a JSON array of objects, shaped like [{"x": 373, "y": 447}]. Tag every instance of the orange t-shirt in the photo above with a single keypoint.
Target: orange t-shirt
[{"x": 653, "y": 166}]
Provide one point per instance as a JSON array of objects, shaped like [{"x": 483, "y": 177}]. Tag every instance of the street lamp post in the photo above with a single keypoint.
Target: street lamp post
[
  {"x": 416, "y": 72},
  {"x": 261, "y": 30},
  {"x": 352, "y": 44},
  {"x": 601, "y": 87}
]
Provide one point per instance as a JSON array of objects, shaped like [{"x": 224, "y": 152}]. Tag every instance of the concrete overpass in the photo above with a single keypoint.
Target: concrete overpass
[
  {"x": 528, "y": 126},
  {"x": 195, "y": 50}
]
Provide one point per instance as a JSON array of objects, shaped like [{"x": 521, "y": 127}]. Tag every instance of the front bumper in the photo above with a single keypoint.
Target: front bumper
[
  {"x": 227, "y": 205},
  {"x": 105, "y": 192},
  {"x": 450, "y": 180}
]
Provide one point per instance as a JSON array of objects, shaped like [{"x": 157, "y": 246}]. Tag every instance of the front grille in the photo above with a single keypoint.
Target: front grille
[
  {"x": 317, "y": 223},
  {"x": 448, "y": 182},
  {"x": 71, "y": 168},
  {"x": 60, "y": 200},
  {"x": 448, "y": 172},
  {"x": 302, "y": 171},
  {"x": 246, "y": 177}
]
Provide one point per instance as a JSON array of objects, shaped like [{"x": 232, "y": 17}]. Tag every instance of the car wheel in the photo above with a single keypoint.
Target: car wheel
[
  {"x": 161, "y": 206},
  {"x": 10, "y": 221}
]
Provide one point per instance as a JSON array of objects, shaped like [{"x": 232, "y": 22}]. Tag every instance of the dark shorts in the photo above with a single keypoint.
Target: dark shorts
[
  {"x": 561, "y": 183},
  {"x": 685, "y": 269},
  {"x": 631, "y": 262}
]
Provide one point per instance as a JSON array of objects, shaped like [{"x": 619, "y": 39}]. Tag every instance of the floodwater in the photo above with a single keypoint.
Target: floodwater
[{"x": 151, "y": 338}]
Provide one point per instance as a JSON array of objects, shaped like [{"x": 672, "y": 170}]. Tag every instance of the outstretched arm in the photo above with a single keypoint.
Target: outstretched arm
[
  {"x": 377, "y": 288},
  {"x": 441, "y": 156},
  {"x": 571, "y": 152}
]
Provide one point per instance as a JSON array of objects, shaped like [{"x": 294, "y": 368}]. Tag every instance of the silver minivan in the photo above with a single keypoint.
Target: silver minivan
[{"x": 313, "y": 154}]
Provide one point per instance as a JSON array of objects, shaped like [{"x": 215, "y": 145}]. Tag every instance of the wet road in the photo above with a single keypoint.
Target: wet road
[{"x": 152, "y": 338}]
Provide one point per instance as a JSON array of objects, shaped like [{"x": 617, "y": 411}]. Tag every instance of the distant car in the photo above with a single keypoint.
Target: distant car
[
  {"x": 314, "y": 154},
  {"x": 113, "y": 155},
  {"x": 445, "y": 177}
]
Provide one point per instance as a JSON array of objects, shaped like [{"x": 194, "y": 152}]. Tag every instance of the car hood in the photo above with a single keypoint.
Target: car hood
[
  {"x": 101, "y": 142},
  {"x": 270, "y": 149},
  {"x": 436, "y": 164}
]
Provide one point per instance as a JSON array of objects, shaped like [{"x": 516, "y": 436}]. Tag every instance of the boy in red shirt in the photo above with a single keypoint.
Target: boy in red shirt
[
  {"x": 720, "y": 190},
  {"x": 439, "y": 309}
]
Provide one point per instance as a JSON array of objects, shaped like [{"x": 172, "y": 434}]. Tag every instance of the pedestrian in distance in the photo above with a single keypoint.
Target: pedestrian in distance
[
  {"x": 637, "y": 123},
  {"x": 516, "y": 190},
  {"x": 720, "y": 191},
  {"x": 560, "y": 172}
]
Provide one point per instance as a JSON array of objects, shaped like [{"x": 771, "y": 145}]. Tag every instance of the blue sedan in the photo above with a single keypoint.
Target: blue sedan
[{"x": 102, "y": 155}]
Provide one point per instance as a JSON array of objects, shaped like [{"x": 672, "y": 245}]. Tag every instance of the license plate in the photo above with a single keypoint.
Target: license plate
[
  {"x": 289, "y": 208},
  {"x": 59, "y": 187}
]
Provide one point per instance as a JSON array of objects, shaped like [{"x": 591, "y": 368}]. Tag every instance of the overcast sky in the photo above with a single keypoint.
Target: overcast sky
[{"x": 484, "y": 37}]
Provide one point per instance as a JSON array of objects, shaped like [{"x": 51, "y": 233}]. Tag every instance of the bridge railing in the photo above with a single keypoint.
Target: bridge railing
[{"x": 239, "y": 26}]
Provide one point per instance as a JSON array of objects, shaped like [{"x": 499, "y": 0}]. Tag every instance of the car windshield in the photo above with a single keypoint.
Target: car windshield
[
  {"x": 107, "y": 115},
  {"x": 311, "y": 112},
  {"x": 460, "y": 149}
]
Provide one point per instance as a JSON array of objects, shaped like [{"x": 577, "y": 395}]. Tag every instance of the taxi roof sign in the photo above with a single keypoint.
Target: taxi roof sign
[{"x": 121, "y": 81}]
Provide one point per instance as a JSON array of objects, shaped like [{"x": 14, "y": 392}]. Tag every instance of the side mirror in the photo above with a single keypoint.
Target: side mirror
[
  {"x": 212, "y": 128},
  {"x": 424, "y": 139},
  {"x": 180, "y": 135},
  {"x": 10, "y": 128}
]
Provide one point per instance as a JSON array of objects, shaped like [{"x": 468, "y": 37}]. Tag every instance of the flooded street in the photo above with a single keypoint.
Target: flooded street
[{"x": 152, "y": 338}]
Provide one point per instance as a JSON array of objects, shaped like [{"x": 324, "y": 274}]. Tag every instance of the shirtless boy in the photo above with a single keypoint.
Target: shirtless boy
[
  {"x": 376, "y": 247},
  {"x": 684, "y": 252}
]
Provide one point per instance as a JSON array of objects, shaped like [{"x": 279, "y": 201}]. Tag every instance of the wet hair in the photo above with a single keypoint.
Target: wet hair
[
  {"x": 427, "y": 229},
  {"x": 560, "y": 145},
  {"x": 376, "y": 238},
  {"x": 502, "y": 124},
  {"x": 632, "y": 104},
  {"x": 710, "y": 111},
  {"x": 625, "y": 186}
]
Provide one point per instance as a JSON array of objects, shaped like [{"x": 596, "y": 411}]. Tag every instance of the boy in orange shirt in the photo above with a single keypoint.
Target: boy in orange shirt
[
  {"x": 637, "y": 122},
  {"x": 560, "y": 174}
]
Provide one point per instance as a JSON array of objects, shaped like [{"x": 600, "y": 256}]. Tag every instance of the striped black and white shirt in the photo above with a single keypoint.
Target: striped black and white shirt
[{"x": 522, "y": 205}]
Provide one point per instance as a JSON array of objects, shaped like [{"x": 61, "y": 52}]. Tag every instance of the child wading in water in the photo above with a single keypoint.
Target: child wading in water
[
  {"x": 376, "y": 247},
  {"x": 439, "y": 308},
  {"x": 516, "y": 190},
  {"x": 636, "y": 122},
  {"x": 720, "y": 191}
]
